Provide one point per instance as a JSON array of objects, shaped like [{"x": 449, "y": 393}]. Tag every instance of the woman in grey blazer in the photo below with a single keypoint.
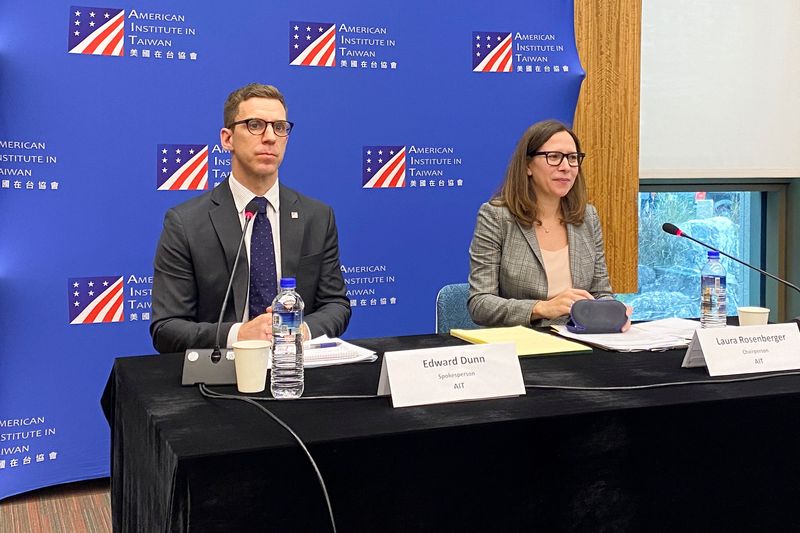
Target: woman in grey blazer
[{"x": 538, "y": 246}]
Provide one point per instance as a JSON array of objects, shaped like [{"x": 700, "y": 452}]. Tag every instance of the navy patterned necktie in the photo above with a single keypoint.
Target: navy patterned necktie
[{"x": 263, "y": 274}]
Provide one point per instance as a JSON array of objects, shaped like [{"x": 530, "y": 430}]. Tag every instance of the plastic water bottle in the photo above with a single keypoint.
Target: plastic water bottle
[
  {"x": 286, "y": 376},
  {"x": 713, "y": 297}
]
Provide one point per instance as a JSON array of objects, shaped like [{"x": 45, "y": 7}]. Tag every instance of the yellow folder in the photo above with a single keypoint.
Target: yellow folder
[{"x": 528, "y": 341}]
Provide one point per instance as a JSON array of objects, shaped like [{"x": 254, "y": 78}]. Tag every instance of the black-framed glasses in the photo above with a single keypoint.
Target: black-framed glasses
[
  {"x": 554, "y": 159},
  {"x": 258, "y": 126}
]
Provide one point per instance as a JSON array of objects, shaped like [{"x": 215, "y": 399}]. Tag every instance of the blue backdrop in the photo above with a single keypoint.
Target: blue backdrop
[{"x": 97, "y": 101}]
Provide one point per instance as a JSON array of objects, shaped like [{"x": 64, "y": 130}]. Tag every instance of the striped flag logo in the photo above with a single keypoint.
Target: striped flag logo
[
  {"x": 96, "y": 31},
  {"x": 95, "y": 300},
  {"x": 312, "y": 44},
  {"x": 182, "y": 167},
  {"x": 383, "y": 167},
  {"x": 491, "y": 52}
]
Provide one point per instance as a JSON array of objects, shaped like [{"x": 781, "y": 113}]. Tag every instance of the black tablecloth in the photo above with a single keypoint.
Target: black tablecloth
[{"x": 699, "y": 457}]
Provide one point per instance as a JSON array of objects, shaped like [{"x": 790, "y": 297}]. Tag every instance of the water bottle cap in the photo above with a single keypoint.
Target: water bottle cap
[
  {"x": 713, "y": 255},
  {"x": 288, "y": 283}
]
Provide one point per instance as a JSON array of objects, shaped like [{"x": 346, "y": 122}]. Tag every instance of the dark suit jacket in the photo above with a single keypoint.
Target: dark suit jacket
[
  {"x": 195, "y": 256},
  {"x": 507, "y": 276}
]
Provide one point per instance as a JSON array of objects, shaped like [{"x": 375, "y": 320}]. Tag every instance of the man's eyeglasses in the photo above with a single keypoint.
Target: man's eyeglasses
[
  {"x": 257, "y": 126},
  {"x": 554, "y": 159}
]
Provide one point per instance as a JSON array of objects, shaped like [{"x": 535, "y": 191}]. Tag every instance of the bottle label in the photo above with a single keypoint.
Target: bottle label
[
  {"x": 713, "y": 294},
  {"x": 286, "y": 323},
  {"x": 714, "y": 282}
]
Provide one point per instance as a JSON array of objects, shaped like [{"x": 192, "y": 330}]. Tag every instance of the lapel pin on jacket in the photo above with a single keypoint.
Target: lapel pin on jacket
[{"x": 294, "y": 214}]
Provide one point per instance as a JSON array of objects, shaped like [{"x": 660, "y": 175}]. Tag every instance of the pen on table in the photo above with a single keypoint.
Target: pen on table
[{"x": 323, "y": 345}]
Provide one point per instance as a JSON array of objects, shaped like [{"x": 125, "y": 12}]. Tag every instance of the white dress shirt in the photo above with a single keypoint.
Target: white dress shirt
[{"x": 241, "y": 197}]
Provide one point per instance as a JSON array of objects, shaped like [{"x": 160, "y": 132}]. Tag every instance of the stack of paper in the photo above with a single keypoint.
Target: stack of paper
[
  {"x": 325, "y": 351},
  {"x": 528, "y": 341},
  {"x": 658, "y": 335}
]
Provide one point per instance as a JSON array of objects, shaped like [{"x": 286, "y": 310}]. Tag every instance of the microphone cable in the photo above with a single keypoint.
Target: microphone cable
[
  {"x": 208, "y": 393},
  {"x": 333, "y": 397},
  {"x": 662, "y": 385}
]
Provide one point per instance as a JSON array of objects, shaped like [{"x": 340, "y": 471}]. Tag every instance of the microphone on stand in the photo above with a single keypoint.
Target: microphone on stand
[
  {"x": 201, "y": 365},
  {"x": 672, "y": 229}
]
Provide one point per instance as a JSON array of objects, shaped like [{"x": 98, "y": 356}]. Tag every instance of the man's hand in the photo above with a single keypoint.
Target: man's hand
[{"x": 259, "y": 328}]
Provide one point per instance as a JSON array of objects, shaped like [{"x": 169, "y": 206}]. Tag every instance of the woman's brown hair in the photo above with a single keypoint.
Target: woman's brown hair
[{"x": 517, "y": 192}]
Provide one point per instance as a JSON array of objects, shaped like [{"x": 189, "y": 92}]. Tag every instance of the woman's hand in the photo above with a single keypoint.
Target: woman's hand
[
  {"x": 629, "y": 312},
  {"x": 559, "y": 305}
]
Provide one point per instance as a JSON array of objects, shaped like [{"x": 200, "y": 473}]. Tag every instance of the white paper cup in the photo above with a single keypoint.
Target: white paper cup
[
  {"x": 251, "y": 365},
  {"x": 753, "y": 316}
]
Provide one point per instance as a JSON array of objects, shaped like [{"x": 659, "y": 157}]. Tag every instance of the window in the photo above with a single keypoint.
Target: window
[{"x": 669, "y": 266}]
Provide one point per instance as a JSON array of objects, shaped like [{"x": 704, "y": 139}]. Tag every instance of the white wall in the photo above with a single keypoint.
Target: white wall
[{"x": 720, "y": 93}]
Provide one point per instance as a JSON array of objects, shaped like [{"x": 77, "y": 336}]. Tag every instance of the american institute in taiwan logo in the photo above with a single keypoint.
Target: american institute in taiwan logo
[
  {"x": 383, "y": 167},
  {"x": 491, "y": 51},
  {"x": 182, "y": 167},
  {"x": 536, "y": 53},
  {"x": 312, "y": 44},
  {"x": 96, "y": 31},
  {"x": 95, "y": 300}
]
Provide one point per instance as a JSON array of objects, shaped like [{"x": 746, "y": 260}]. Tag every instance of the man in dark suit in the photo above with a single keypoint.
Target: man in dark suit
[{"x": 198, "y": 244}]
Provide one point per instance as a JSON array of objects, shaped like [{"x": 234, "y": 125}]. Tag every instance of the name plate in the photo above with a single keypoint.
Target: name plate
[
  {"x": 451, "y": 374},
  {"x": 745, "y": 349}
]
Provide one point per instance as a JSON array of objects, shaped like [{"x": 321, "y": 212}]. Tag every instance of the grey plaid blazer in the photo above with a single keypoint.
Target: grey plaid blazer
[{"x": 507, "y": 276}]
